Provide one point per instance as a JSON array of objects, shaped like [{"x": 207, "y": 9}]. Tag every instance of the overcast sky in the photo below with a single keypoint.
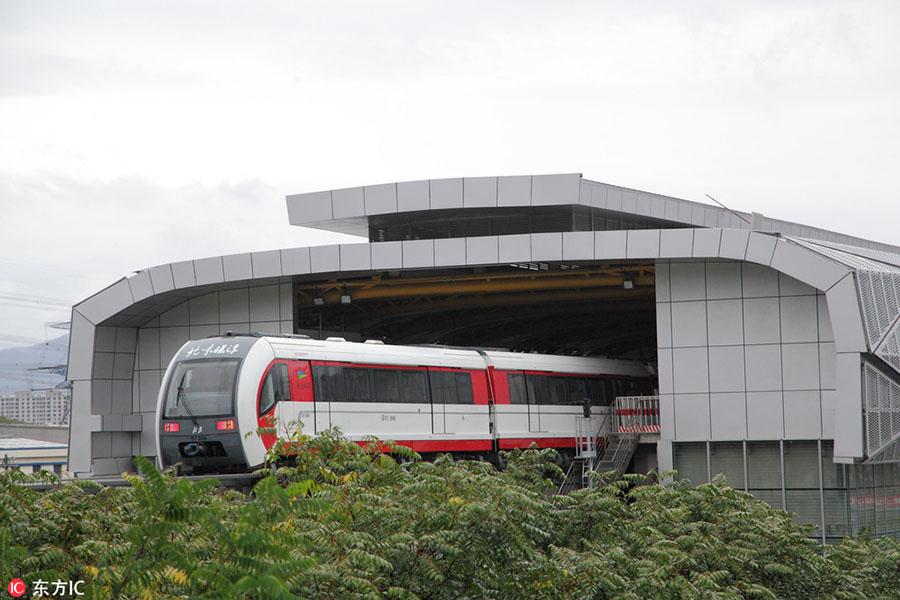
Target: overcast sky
[{"x": 139, "y": 133}]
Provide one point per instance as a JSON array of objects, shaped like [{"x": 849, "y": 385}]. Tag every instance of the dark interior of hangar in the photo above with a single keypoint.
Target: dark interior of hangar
[{"x": 585, "y": 309}]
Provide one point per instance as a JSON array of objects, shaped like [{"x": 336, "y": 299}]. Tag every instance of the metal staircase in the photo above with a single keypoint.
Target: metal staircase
[{"x": 611, "y": 444}]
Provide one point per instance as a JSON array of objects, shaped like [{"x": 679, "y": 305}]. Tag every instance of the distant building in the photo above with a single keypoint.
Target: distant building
[
  {"x": 37, "y": 407},
  {"x": 31, "y": 456}
]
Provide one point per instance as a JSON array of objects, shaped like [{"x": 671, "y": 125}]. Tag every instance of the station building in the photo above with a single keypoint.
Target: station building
[{"x": 777, "y": 345}]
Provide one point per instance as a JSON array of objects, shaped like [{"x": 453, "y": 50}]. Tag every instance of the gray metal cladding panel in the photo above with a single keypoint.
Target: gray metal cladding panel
[
  {"x": 760, "y": 248},
  {"x": 209, "y": 270},
  {"x": 676, "y": 243},
  {"x": 237, "y": 267},
  {"x": 725, "y": 319},
  {"x": 450, "y": 251},
  {"x": 555, "y": 189},
  {"x": 446, "y": 193},
  {"x": 265, "y": 303},
  {"x": 515, "y": 248},
  {"x": 802, "y": 415},
  {"x": 643, "y": 243},
  {"x": 691, "y": 370},
  {"x": 387, "y": 255},
  {"x": 234, "y": 306},
  {"x": 266, "y": 264},
  {"x": 325, "y": 259},
  {"x": 105, "y": 340},
  {"x": 479, "y": 192},
  {"x": 734, "y": 244},
  {"x": 355, "y": 257},
  {"x": 479, "y": 250},
  {"x": 726, "y": 369},
  {"x": 418, "y": 253},
  {"x": 688, "y": 324},
  {"x": 514, "y": 191},
  {"x": 413, "y": 196},
  {"x": 141, "y": 286},
  {"x": 183, "y": 274},
  {"x": 728, "y": 416},
  {"x": 610, "y": 244},
  {"x": 349, "y": 202},
  {"x": 706, "y": 243},
  {"x": 381, "y": 199},
  {"x": 295, "y": 261},
  {"x": 688, "y": 281},
  {"x": 765, "y": 417},
  {"x": 204, "y": 310},
  {"x": 162, "y": 279},
  {"x": 126, "y": 339},
  {"x": 107, "y": 302},
  {"x": 723, "y": 281},
  {"x": 692, "y": 417},
  {"x": 309, "y": 208},
  {"x": 546, "y": 246},
  {"x": 578, "y": 245}
]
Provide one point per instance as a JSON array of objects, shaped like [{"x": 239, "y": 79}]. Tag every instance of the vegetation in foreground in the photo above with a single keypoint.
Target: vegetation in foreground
[{"x": 349, "y": 522}]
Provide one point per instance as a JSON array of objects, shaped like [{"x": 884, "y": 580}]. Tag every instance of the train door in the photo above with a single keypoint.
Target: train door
[
  {"x": 303, "y": 406},
  {"x": 327, "y": 385},
  {"x": 537, "y": 391},
  {"x": 437, "y": 394}
]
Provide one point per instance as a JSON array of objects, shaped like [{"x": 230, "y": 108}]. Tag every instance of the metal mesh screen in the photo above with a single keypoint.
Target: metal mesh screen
[
  {"x": 889, "y": 350},
  {"x": 880, "y": 295},
  {"x": 857, "y": 258},
  {"x": 881, "y": 397}
]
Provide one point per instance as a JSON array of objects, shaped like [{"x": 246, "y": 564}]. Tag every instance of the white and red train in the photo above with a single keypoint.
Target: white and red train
[{"x": 432, "y": 399}]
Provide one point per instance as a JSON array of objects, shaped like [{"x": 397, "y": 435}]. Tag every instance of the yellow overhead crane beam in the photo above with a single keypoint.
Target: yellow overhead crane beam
[{"x": 380, "y": 288}]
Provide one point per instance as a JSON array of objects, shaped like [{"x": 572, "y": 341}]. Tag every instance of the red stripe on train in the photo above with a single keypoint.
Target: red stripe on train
[
  {"x": 442, "y": 445},
  {"x": 550, "y": 442}
]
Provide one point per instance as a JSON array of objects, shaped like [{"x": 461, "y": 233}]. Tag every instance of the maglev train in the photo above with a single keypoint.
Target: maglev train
[{"x": 430, "y": 398}]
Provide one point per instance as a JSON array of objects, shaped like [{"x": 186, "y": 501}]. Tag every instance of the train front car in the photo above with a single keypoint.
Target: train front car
[{"x": 200, "y": 424}]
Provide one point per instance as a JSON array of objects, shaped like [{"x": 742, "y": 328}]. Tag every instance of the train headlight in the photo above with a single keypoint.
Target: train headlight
[
  {"x": 225, "y": 425},
  {"x": 170, "y": 427}
]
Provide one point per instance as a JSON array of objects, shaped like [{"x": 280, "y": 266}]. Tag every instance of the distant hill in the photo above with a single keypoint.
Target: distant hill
[{"x": 15, "y": 363}]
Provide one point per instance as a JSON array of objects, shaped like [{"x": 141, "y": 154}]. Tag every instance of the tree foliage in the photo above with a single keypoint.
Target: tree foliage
[{"x": 335, "y": 519}]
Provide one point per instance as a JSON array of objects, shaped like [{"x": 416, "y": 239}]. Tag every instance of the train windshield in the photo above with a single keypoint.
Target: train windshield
[{"x": 202, "y": 388}]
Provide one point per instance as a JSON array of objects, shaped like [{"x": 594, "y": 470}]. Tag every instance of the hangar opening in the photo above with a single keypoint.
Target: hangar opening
[{"x": 574, "y": 309}]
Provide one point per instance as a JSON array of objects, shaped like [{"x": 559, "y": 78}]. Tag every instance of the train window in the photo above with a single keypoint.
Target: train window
[
  {"x": 610, "y": 386},
  {"x": 596, "y": 392},
  {"x": 451, "y": 387},
  {"x": 538, "y": 392},
  {"x": 413, "y": 386},
  {"x": 356, "y": 382},
  {"x": 558, "y": 392},
  {"x": 202, "y": 388},
  {"x": 275, "y": 388},
  {"x": 464, "y": 388},
  {"x": 387, "y": 388},
  {"x": 629, "y": 387},
  {"x": 329, "y": 385},
  {"x": 577, "y": 390},
  {"x": 443, "y": 390},
  {"x": 517, "y": 394}
]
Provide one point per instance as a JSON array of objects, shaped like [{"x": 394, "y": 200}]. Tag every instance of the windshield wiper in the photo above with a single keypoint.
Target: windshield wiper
[{"x": 182, "y": 396}]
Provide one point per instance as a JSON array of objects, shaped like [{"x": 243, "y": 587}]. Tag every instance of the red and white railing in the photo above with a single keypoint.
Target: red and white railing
[{"x": 636, "y": 414}]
